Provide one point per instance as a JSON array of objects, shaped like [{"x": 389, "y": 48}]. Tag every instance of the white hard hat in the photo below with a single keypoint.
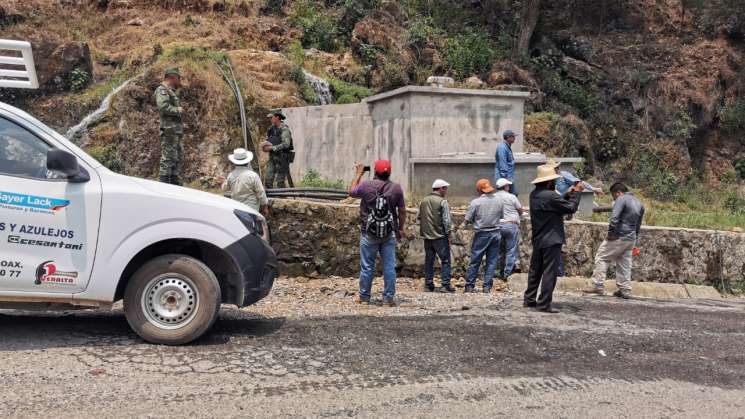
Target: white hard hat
[
  {"x": 502, "y": 182},
  {"x": 439, "y": 183}
]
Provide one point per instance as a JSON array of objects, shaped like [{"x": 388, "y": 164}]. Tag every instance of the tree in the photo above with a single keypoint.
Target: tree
[{"x": 531, "y": 10}]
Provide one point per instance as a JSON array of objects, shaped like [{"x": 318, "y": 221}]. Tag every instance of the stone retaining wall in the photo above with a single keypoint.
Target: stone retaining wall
[{"x": 323, "y": 239}]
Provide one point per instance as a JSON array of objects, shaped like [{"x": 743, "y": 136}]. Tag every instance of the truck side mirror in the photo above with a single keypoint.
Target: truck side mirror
[{"x": 66, "y": 164}]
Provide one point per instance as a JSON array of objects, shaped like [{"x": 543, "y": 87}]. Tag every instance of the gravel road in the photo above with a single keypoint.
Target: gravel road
[{"x": 307, "y": 350}]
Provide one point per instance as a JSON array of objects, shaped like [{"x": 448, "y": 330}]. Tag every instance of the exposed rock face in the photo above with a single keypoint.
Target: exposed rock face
[
  {"x": 323, "y": 239},
  {"x": 56, "y": 64}
]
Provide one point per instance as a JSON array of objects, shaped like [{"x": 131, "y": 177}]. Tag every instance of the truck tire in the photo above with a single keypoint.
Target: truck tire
[{"x": 172, "y": 300}]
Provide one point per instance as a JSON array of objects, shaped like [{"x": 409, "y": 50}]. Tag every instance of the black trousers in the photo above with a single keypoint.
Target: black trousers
[{"x": 544, "y": 268}]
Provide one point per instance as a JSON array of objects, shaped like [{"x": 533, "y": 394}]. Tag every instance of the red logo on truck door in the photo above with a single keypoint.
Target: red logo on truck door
[{"x": 47, "y": 273}]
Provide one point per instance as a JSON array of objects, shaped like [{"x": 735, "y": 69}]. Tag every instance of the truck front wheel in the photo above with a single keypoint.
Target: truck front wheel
[{"x": 172, "y": 300}]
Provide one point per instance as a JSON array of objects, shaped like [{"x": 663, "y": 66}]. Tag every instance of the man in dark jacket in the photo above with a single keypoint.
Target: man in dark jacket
[{"x": 547, "y": 211}]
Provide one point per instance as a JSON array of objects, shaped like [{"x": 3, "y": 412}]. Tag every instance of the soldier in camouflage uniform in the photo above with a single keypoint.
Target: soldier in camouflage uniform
[
  {"x": 281, "y": 151},
  {"x": 171, "y": 127}
]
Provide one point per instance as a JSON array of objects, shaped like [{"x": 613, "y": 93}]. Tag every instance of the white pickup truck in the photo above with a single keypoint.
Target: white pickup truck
[{"x": 75, "y": 234}]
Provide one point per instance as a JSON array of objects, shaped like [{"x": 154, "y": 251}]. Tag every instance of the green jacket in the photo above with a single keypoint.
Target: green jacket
[
  {"x": 168, "y": 107},
  {"x": 281, "y": 138},
  {"x": 434, "y": 217}
]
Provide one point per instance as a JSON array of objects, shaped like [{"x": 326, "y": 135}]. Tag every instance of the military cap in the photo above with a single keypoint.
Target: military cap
[
  {"x": 277, "y": 112},
  {"x": 173, "y": 71}
]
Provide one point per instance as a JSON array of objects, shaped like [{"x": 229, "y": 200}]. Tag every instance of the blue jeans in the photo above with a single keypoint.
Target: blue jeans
[
  {"x": 369, "y": 249},
  {"x": 510, "y": 233},
  {"x": 485, "y": 243},
  {"x": 440, "y": 248}
]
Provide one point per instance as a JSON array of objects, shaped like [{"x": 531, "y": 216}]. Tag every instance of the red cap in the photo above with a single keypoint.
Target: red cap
[{"x": 382, "y": 166}]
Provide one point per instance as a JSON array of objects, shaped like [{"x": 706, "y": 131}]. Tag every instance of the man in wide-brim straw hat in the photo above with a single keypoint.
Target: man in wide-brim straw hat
[
  {"x": 547, "y": 211},
  {"x": 243, "y": 183}
]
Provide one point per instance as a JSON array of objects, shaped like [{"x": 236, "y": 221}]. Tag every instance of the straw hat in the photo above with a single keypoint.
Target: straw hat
[
  {"x": 545, "y": 173},
  {"x": 241, "y": 156},
  {"x": 551, "y": 163}
]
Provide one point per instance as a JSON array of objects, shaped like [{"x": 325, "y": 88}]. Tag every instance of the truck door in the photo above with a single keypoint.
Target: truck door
[{"x": 48, "y": 225}]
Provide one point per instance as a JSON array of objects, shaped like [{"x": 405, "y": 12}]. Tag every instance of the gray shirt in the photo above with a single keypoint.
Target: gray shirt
[
  {"x": 510, "y": 206},
  {"x": 485, "y": 212},
  {"x": 626, "y": 218}
]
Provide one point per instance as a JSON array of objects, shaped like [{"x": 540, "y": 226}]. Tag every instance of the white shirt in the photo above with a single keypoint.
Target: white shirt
[{"x": 245, "y": 186}]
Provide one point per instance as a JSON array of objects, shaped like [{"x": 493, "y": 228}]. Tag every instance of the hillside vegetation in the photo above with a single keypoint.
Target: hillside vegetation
[{"x": 647, "y": 91}]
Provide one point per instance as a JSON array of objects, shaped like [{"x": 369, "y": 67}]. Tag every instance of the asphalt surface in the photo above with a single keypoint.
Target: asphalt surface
[{"x": 470, "y": 356}]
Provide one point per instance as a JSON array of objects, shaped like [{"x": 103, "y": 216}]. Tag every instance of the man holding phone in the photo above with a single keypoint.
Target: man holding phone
[{"x": 382, "y": 221}]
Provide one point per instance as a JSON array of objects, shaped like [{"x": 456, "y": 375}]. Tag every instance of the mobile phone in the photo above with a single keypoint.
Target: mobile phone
[{"x": 366, "y": 169}]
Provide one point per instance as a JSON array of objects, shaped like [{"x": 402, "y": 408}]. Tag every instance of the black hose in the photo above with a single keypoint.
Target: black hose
[{"x": 328, "y": 190}]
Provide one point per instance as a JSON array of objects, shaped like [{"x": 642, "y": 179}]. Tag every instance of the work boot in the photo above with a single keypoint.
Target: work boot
[
  {"x": 361, "y": 300},
  {"x": 175, "y": 180},
  {"x": 447, "y": 288},
  {"x": 593, "y": 290},
  {"x": 429, "y": 287},
  {"x": 529, "y": 304},
  {"x": 486, "y": 290},
  {"x": 165, "y": 179},
  {"x": 623, "y": 294},
  {"x": 469, "y": 289},
  {"x": 548, "y": 309},
  {"x": 389, "y": 302}
]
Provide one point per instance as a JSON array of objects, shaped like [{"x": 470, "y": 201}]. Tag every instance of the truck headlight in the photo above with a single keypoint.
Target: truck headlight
[{"x": 254, "y": 224}]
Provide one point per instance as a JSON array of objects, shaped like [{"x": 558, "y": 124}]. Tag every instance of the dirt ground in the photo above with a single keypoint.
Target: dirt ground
[{"x": 307, "y": 350}]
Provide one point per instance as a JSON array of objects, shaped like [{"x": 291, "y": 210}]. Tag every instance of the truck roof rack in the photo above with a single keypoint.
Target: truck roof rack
[{"x": 17, "y": 68}]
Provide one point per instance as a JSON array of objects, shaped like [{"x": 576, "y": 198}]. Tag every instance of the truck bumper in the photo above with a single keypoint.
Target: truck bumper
[{"x": 257, "y": 264}]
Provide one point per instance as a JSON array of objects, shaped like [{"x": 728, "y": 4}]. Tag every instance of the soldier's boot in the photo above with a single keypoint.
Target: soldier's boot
[
  {"x": 165, "y": 179},
  {"x": 174, "y": 180}
]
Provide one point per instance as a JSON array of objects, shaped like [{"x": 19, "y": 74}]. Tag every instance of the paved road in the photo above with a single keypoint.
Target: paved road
[{"x": 478, "y": 357}]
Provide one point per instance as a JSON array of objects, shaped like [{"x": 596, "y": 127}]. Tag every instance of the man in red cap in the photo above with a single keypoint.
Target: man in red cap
[{"x": 382, "y": 219}]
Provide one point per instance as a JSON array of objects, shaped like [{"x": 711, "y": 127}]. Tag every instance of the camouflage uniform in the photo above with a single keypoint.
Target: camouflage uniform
[
  {"x": 280, "y": 156},
  {"x": 171, "y": 131}
]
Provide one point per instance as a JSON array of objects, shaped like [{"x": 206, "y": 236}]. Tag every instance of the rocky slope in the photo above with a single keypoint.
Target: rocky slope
[{"x": 648, "y": 90}]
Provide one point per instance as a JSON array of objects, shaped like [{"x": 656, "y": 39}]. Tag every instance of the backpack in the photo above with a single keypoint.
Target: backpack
[{"x": 380, "y": 220}]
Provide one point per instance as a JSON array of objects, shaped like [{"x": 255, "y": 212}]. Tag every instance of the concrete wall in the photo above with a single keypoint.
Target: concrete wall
[
  {"x": 330, "y": 139},
  {"x": 411, "y": 122},
  {"x": 324, "y": 239}
]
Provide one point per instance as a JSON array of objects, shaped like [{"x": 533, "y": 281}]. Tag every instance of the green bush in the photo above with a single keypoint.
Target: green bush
[
  {"x": 659, "y": 181},
  {"x": 352, "y": 11},
  {"x": 347, "y": 92},
  {"x": 681, "y": 127},
  {"x": 729, "y": 177},
  {"x": 420, "y": 32},
  {"x": 471, "y": 52},
  {"x": 740, "y": 168},
  {"x": 108, "y": 156},
  {"x": 394, "y": 74},
  {"x": 320, "y": 29},
  {"x": 307, "y": 93},
  {"x": 369, "y": 53},
  {"x": 345, "y": 99},
  {"x": 571, "y": 93},
  {"x": 732, "y": 117},
  {"x": 273, "y": 6},
  {"x": 313, "y": 179},
  {"x": 78, "y": 79},
  {"x": 734, "y": 203}
]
